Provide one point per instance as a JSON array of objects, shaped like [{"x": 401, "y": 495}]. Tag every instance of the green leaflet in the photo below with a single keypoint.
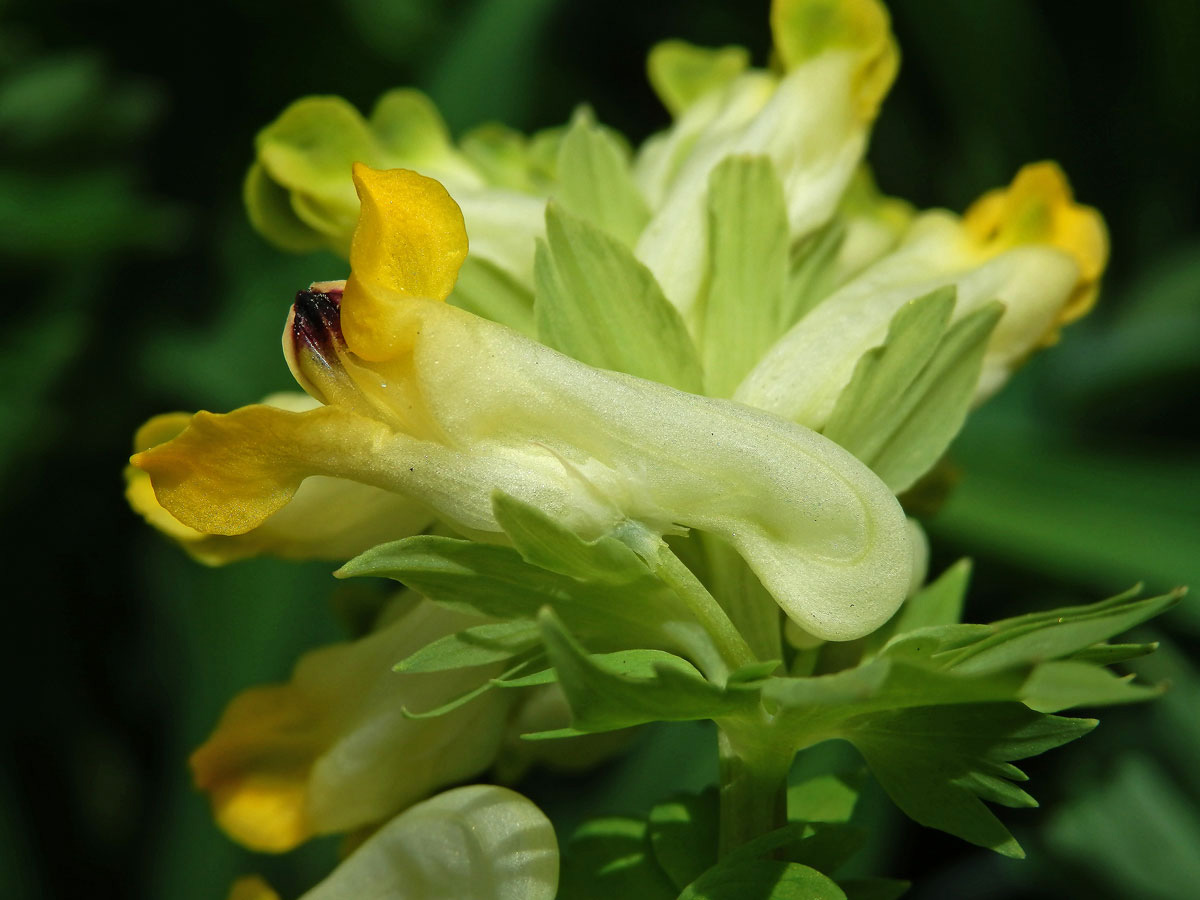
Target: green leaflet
[
  {"x": 763, "y": 880},
  {"x": 1038, "y": 637},
  {"x": 681, "y": 73},
  {"x": 595, "y": 182},
  {"x": 611, "y": 857},
  {"x": 480, "y": 645},
  {"x": 908, "y": 398},
  {"x": 1107, "y": 654},
  {"x": 812, "y": 272},
  {"x": 633, "y": 687},
  {"x": 496, "y": 582},
  {"x": 939, "y": 603},
  {"x": 1055, "y": 686},
  {"x": 939, "y": 763},
  {"x": 594, "y": 301},
  {"x": 485, "y": 289},
  {"x": 815, "y": 708},
  {"x": 748, "y": 268},
  {"x": 531, "y": 669},
  {"x": 545, "y": 543}
]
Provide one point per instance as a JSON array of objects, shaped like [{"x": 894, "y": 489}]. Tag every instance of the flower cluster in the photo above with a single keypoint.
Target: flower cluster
[{"x": 725, "y": 347}]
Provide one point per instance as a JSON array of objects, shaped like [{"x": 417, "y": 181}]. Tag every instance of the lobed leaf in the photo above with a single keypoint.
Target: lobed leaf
[{"x": 936, "y": 763}]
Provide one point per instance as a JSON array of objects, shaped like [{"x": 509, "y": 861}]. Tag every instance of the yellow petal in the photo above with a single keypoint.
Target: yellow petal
[
  {"x": 332, "y": 750},
  {"x": 256, "y": 766},
  {"x": 227, "y": 474},
  {"x": 1039, "y": 208},
  {"x": 328, "y": 518},
  {"x": 409, "y": 243},
  {"x": 252, "y": 887}
]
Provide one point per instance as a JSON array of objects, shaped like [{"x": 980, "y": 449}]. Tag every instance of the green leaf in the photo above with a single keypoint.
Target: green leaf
[
  {"x": 874, "y": 888},
  {"x": 595, "y": 181},
  {"x": 869, "y": 409},
  {"x": 632, "y": 687},
  {"x": 545, "y": 543},
  {"x": 939, "y": 763},
  {"x": 812, "y": 706},
  {"x": 611, "y": 857},
  {"x": 1107, "y": 654},
  {"x": 529, "y": 670},
  {"x": 811, "y": 273},
  {"x": 684, "y": 833},
  {"x": 1040, "y": 637},
  {"x": 488, "y": 291},
  {"x": 825, "y": 798},
  {"x": 681, "y": 73},
  {"x": 1055, "y": 686},
  {"x": 496, "y": 582},
  {"x": 480, "y": 645},
  {"x": 763, "y": 880},
  {"x": 908, "y": 399},
  {"x": 594, "y": 301},
  {"x": 748, "y": 267},
  {"x": 938, "y": 603}
]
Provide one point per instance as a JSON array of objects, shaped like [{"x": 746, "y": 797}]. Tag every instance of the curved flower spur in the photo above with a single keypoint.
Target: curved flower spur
[{"x": 428, "y": 401}]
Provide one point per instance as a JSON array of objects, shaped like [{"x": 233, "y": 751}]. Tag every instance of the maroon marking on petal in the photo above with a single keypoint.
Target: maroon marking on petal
[{"x": 317, "y": 323}]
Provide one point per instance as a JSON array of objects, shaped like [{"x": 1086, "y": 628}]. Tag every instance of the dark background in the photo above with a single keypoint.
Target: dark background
[{"x": 133, "y": 285}]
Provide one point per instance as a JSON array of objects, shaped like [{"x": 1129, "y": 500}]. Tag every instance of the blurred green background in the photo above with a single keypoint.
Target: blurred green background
[{"x": 135, "y": 286}]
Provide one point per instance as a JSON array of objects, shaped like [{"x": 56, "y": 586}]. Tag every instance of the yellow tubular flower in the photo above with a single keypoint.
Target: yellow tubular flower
[
  {"x": 466, "y": 407},
  {"x": 332, "y": 750},
  {"x": 1030, "y": 246},
  {"x": 1039, "y": 208}
]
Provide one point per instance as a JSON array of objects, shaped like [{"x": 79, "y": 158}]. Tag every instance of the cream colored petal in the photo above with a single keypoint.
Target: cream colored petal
[
  {"x": 1029, "y": 246},
  {"x": 479, "y": 842}
]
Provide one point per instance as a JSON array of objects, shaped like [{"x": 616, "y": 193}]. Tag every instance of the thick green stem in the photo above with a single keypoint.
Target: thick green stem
[{"x": 753, "y": 792}]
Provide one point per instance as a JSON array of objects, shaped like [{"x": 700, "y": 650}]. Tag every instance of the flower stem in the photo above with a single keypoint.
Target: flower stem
[
  {"x": 708, "y": 612},
  {"x": 753, "y": 792}
]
